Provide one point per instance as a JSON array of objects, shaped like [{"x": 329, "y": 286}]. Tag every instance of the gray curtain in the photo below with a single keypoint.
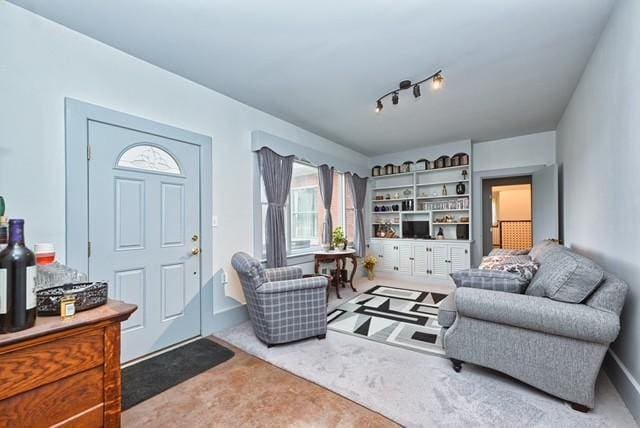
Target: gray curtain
[
  {"x": 276, "y": 174},
  {"x": 359, "y": 193},
  {"x": 325, "y": 178}
]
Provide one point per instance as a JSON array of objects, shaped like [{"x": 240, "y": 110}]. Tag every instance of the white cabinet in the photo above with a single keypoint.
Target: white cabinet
[
  {"x": 389, "y": 257},
  {"x": 405, "y": 258},
  {"x": 419, "y": 258},
  {"x": 458, "y": 257},
  {"x": 439, "y": 258}
]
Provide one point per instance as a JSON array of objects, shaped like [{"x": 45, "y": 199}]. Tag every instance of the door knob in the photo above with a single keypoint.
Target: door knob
[{"x": 195, "y": 251}]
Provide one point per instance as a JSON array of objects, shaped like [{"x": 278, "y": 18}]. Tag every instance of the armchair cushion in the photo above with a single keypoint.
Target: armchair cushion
[
  {"x": 284, "y": 273},
  {"x": 293, "y": 285},
  {"x": 496, "y": 280},
  {"x": 540, "y": 314},
  {"x": 566, "y": 276}
]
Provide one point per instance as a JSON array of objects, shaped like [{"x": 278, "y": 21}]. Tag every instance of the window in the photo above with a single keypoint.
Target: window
[
  {"x": 305, "y": 210},
  {"x": 304, "y": 223},
  {"x": 349, "y": 213},
  {"x": 149, "y": 158}
]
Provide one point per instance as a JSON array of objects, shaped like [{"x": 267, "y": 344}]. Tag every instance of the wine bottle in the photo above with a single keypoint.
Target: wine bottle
[{"x": 17, "y": 282}]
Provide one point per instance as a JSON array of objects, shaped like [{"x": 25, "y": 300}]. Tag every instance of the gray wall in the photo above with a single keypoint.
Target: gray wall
[
  {"x": 508, "y": 157},
  {"x": 598, "y": 149},
  {"x": 43, "y": 62}
]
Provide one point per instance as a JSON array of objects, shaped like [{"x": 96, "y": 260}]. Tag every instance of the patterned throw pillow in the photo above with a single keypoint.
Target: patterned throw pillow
[
  {"x": 507, "y": 252},
  {"x": 522, "y": 265},
  {"x": 495, "y": 280}
]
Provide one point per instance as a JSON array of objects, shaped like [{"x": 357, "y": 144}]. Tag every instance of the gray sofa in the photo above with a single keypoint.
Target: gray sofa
[
  {"x": 283, "y": 306},
  {"x": 540, "y": 337}
]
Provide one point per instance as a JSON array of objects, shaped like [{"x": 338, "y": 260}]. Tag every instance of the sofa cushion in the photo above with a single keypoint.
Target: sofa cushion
[
  {"x": 507, "y": 252},
  {"x": 447, "y": 311},
  {"x": 496, "y": 280},
  {"x": 565, "y": 276},
  {"x": 521, "y": 264}
]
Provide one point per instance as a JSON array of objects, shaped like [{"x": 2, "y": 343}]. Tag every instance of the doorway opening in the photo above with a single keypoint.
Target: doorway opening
[{"x": 507, "y": 213}]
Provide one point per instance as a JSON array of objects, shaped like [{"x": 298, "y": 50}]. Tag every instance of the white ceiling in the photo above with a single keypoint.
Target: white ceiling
[{"x": 510, "y": 65}]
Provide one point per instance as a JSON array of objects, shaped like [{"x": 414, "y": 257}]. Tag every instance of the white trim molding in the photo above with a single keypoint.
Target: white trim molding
[{"x": 628, "y": 386}]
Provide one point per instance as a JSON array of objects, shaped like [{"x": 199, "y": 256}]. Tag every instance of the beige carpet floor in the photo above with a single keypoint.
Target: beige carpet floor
[{"x": 416, "y": 389}]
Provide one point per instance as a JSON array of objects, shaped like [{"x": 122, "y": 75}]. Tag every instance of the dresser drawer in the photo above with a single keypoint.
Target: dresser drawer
[
  {"x": 33, "y": 366},
  {"x": 68, "y": 402}
]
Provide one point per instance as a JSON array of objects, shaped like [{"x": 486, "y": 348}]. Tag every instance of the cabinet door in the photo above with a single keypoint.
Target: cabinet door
[
  {"x": 404, "y": 258},
  {"x": 439, "y": 260},
  {"x": 389, "y": 257},
  {"x": 375, "y": 249},
  {"x": 420, "y": 259},
  {"x": 458, "y": 257}
]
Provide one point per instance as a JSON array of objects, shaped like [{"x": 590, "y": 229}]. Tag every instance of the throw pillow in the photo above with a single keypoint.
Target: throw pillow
[
  {"x": 566, "y": 276},
  {"x": 507, "y": 252},
  {"x": 522, "y": 265},
  {"x": 495, "y": 280},
  {"x": 542, "y": 249}
]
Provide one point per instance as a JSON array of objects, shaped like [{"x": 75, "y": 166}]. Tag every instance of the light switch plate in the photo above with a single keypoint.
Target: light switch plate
[{"x": 214, "y": 221}]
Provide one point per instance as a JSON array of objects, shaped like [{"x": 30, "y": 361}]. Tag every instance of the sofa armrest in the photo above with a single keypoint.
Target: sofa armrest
[
  {"x": 284, "y": 273},
  {"x": 576, "y": 321},
  {"x": 293, "y": 285}
]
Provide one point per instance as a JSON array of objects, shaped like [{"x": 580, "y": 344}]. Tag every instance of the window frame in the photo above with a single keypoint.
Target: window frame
[{"x": 259, "y": 248}]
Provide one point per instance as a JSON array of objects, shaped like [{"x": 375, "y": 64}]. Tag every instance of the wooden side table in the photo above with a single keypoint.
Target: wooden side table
[
  {"x": 64, "y": 373},
  {"x": 340, "y": 258}
]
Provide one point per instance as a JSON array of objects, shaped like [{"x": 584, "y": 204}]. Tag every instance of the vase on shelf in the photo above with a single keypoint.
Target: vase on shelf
[{"x": 370, "y": 275}]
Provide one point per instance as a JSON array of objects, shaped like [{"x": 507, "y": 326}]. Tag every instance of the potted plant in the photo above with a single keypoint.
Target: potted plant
[
  {"x": 370, "y": 263},
  {"x": 339, "y": 240}
]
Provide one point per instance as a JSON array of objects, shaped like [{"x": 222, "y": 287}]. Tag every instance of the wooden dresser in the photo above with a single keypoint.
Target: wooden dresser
[{"x": 64, "y": 373}]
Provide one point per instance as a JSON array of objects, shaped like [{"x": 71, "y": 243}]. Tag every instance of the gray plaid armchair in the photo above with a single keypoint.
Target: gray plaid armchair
[{"x": 283, "y": 306}]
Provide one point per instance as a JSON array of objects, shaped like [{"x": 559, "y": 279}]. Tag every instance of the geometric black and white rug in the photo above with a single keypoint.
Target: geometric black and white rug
[{"x": 395, "y": 316}]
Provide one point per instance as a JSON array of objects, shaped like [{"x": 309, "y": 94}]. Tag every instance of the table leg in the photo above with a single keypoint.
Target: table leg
[
  {"x": 354, "y": 263},
  {"x": 336, "y": 279},
  {"x": 317, "y": 265}
]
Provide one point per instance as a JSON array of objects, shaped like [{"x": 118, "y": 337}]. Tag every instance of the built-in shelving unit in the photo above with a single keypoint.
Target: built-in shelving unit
[{"x": 427, "y": 195}]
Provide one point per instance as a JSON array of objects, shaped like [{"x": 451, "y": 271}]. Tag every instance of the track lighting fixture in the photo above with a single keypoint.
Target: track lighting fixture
[
  {"x": 416, "y": 90},
  {"x": 437, "y": 81}
]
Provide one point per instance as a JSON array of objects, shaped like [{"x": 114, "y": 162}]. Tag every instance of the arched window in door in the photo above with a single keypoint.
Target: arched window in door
[{"x": 149, "y": 158}]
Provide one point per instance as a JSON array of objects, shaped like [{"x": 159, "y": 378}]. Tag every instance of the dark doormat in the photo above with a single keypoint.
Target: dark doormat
[{"x": 151, "y": 377}]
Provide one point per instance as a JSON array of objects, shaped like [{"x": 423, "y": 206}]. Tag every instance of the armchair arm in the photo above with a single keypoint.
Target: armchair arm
[
  {"x": 284, "y": 273},
  {"x": 541, "y": 314},
  {"x": 293, "y": 285}
]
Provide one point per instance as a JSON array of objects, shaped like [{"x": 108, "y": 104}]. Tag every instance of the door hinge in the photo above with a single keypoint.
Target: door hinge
[
  {"x": 88, "y": 151},
  {"x": 89, "y": 249}
]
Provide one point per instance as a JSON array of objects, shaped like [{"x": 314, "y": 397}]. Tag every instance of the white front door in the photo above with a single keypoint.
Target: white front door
[{"x": 144, "y": 233}]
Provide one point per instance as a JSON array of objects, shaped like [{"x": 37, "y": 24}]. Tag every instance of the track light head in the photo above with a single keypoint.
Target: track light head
[
  {"x": 437, "y": 81},
  {"x": 379, "y": 106},
  {"x": 416, "y": 91},
  {"x": 395, "y": 98}
]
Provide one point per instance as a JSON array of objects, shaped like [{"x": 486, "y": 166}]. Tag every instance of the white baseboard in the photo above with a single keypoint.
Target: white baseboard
[{"x": 627, "y": 385}]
